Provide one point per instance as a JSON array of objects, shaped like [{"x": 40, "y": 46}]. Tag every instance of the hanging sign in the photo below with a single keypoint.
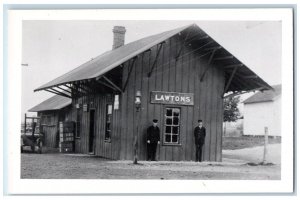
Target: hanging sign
[
  {"x": 116, "y": 102},
  {"x": 172, "y": 98},
  {"x": 85, "y": 107}
]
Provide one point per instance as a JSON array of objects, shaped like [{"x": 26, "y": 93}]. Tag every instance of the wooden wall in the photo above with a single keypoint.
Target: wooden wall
[
  {"x": 169, "y": 75},
  {"x": 49, "y": 121},
  {"x": 102, "y": 148},
  {"x": 173, "y": 76}
]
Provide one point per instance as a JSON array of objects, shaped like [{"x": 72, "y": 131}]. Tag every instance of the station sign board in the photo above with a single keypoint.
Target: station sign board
[{"x": 174, "y": 98}]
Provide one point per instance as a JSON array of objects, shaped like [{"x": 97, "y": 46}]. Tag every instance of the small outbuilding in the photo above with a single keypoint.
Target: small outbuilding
[
  {"x": 179, "y": 76},
  {"x": 263, "y": 109},
  {"x": 51, "y": 112}
]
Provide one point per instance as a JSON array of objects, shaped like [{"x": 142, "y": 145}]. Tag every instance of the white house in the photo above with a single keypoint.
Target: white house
[{"x": 263, "y": 109}]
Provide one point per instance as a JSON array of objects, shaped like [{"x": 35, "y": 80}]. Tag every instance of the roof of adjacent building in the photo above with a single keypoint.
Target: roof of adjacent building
[
  {"x": 111, "y": 59},
  {"x": 56, "y": 102},
  {"x": 269, "y": 95}
]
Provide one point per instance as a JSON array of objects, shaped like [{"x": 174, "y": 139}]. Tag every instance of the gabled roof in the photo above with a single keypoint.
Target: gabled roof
[
  {"x": 56, "y": 102},
  {"x": 111, "y": 59},
  {"x": 269, "y": 95},
  {"x": 243, "y": 80}
]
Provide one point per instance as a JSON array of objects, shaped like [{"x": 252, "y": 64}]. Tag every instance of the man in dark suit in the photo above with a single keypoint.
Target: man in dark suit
[
  {"x": 153, "y": 139},
  {"x": 199, "y": 134}
]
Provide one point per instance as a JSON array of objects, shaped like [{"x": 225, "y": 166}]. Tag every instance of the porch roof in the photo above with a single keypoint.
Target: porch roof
[{"x": 56, "y": 102}]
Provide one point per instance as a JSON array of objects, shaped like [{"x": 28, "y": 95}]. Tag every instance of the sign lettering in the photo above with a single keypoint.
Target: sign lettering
[{"x": 172, "y": 98}]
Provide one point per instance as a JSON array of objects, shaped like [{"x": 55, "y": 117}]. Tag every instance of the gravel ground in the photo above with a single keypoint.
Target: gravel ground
[{"x": 79, "y": 166}]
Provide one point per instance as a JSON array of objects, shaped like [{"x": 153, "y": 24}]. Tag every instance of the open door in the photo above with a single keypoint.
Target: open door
[{"x": 92, "y": 132}]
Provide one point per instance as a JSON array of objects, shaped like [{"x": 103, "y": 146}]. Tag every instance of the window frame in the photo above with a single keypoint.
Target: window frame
[
  {"x": 165, "y": 126},
  {"x": 108, "y": 140}
]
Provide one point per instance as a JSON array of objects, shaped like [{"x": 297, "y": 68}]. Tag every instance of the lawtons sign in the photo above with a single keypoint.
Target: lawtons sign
[{"x": 172, "y": 98}]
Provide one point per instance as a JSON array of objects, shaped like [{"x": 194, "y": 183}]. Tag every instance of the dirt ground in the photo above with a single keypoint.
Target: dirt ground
[
  {"x": 79, "y": 166},
  {"x": 255, "y": 154}
]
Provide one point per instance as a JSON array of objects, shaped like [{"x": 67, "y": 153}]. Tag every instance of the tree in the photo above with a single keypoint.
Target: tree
[{"x": 231, "y": 111}]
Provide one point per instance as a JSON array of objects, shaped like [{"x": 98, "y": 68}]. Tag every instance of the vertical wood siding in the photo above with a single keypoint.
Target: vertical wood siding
[
  {"x": 170, "y": 75},
  {"x": 49, "y": 121},
  {"x": 102, "y": 148}
]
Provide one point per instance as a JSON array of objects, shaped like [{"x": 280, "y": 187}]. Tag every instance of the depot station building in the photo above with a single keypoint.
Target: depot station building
[{"x": 177, "y": 77}]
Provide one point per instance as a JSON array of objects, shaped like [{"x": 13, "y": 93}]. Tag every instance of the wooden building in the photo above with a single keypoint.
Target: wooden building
[
  {"x": 182, "y": 75},
  {"x": 51, "y": 112}
]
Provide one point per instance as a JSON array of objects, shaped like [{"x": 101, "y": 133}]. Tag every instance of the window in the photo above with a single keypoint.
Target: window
[
  {"x": 109, "y": 109},
  {"x": 78, "y": 117},
  {"x": 172, "y": 126}
]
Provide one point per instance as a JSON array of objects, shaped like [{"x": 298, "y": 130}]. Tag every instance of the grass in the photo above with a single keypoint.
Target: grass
[{"x": 231, "y": 143}]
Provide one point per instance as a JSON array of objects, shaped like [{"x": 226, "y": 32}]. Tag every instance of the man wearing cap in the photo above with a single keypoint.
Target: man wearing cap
[
  {"x": 199, "y": 134},
  {"x": 153, "y": 139}
]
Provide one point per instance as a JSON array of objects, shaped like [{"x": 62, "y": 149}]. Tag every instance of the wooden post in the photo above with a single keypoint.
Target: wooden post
[
  {"x": 25, "y": 125},
  {"x": 158, "y": 152},
  {"x": 135, "y": 159},
  {"x": 135, "y": 143},
  {"x": 265, "y": 146},
  {"x": 33, "y": 127},
  {"x": 137, "y": 103}
]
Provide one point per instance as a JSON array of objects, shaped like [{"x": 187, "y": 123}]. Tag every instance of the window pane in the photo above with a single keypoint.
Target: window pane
[
  {"x": 169, "y": 121},
  {"x": 77, "y": 129},
  {"x": 175, "y": 129},
  {"x": 175, "y": 121},
  {"x": 172, "y": 125},
  {"x": 168, "y": 129},
  {"x": 107, "y": 135},
  {"x": 169, "y": 112},
  {"x": 108, "y": 118},
  {"x": 176, "y": 112},
  {"x": 174, "y": 138},
  {"x": 168, "y": 138},
  {"x": 109, "y": 109},
  {"x": 108, "y": 122}
]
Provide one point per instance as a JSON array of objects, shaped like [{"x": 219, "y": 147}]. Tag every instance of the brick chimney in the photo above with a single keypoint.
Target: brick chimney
[{"x": 119, "y": 36}]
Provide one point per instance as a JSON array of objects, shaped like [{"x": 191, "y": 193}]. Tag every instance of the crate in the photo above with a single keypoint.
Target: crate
[
  {"x": 66, "y": 137},
  {"x": 66, "y": 131},
  {"x": 66, "y": 147}
]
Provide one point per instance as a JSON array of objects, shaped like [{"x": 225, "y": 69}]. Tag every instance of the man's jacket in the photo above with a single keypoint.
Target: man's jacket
[
  {"x": 199, "y": 134},
  {"x": 153, "y": 134}
]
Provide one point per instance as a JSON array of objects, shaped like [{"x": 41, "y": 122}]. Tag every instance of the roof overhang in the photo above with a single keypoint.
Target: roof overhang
[{"x": 238, "y": 77}]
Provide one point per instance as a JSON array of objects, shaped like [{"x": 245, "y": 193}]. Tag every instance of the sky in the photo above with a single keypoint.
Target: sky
[{"x": 52, "y": 48}]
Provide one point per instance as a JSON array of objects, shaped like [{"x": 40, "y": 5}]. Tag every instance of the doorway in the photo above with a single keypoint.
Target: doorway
[{"x": 92, "y": 132}]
